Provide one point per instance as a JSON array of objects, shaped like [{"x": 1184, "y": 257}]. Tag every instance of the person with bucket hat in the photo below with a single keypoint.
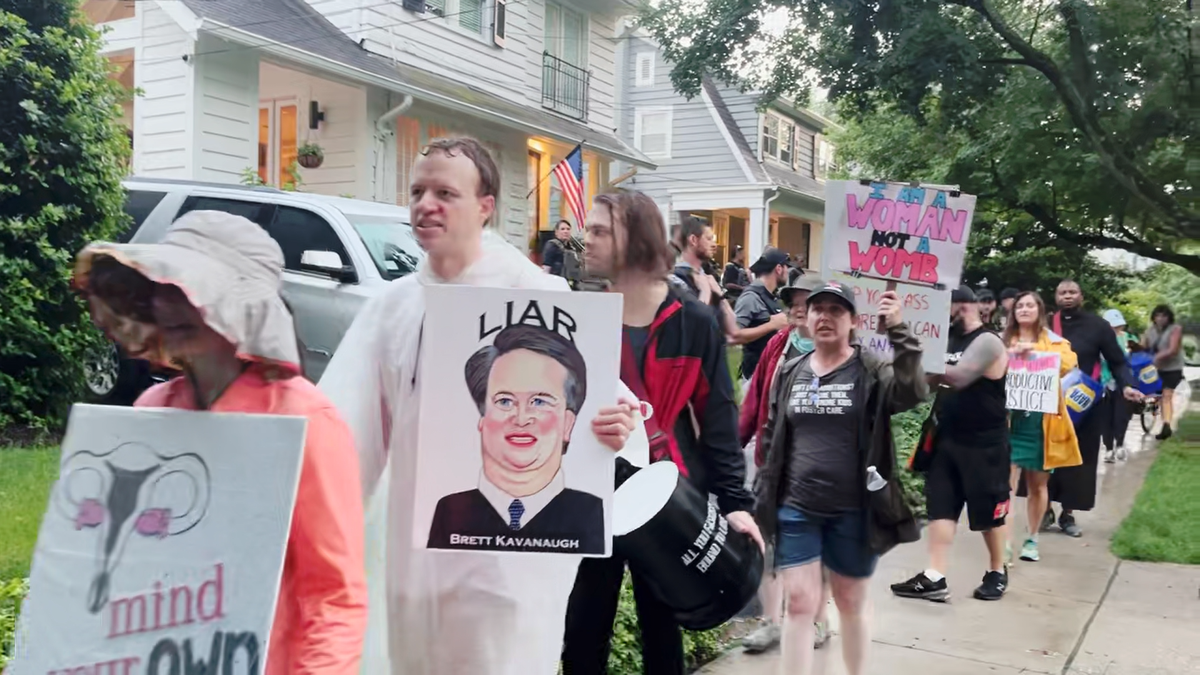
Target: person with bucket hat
[
  {"x": 446, "y": 612},
  {"x": 1120, "y": 411},
  {"x": 829, "y": 493},
  {"x": 784, "y": 346},
  {"x": 969, "y": 464},
  {"x": 757, "y": 311},
  {"x": 206, "y": 300}
]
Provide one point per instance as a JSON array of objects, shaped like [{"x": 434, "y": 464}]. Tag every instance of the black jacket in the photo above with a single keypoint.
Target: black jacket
[{"x": 892, "y": 387}]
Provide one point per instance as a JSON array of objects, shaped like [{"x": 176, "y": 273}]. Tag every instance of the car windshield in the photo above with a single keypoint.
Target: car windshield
[{"x": 391, "y": 244}]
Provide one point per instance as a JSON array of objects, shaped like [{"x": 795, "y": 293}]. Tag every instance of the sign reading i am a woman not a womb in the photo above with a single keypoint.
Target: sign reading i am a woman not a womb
[
  {"x": 163, "y": 544},
  {"x": 898, "y": 232}
]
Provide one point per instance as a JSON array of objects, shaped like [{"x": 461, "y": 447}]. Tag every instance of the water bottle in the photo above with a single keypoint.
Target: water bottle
[{"x": 875, "y": 482}]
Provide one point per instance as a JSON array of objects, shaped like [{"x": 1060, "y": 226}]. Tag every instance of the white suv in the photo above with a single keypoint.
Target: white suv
[{"x": 337, "y": 254}]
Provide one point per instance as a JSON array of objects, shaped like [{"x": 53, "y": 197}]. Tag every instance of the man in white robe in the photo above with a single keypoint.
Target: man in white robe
[{"x": 446, "y": 612}]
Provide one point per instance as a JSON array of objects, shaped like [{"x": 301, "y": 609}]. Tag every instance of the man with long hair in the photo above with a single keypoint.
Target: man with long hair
[{"x": 672, "y": 357}]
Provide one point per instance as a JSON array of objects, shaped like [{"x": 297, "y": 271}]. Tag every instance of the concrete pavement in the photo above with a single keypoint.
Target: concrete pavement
[{"x": 1079, "y": 611}]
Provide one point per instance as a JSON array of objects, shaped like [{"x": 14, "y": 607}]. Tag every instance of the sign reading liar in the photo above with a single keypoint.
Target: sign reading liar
[
  {"x": 908, "y": 234},
  {"x": 1033, "y": 382},
  {"x": 163, "y": 546}
]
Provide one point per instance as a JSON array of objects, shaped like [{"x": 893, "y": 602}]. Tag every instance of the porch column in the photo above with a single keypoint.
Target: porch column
[{"x": 756, "y": 233}]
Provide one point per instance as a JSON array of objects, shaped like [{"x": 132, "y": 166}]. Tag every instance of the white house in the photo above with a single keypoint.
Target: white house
[
  {"x": 232, "y": 88},
  {"x": 756, "y": 175}
]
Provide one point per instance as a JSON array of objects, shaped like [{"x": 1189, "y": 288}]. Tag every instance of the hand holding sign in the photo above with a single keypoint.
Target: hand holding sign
[
  {"x": 889, "y": 309},
  {"x": 613, "y": 424}
]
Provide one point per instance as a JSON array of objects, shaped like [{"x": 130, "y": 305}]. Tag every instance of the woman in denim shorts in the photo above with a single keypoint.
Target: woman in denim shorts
[{"x": 828, "y": 496}]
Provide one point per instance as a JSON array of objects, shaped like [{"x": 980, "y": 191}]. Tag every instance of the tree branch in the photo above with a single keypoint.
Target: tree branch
[
  {"x": 1127, "y": 173},
  {"x": 1007, "y": 62},
  {"x": 1085, "y": 78}
]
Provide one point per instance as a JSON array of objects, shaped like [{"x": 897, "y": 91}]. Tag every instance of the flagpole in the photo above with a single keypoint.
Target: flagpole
[{"x": 579, "y": 147}]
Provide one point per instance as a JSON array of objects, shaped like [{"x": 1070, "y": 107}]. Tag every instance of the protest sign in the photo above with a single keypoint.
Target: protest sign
[
  {"x": 897, "y": 232},
  {"x": 163, "y": 544},
  {"x": 1033, "y": 382},
  {"x": 510, "y": 381},
  {"x": 927, "y": 312}
]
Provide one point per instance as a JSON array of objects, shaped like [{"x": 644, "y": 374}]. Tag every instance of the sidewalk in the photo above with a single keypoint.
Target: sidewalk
[{"x": 1079, "y": 611}]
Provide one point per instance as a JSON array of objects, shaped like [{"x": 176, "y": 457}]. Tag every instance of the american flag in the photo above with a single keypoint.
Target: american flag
[{"x": 570, "y": 179}]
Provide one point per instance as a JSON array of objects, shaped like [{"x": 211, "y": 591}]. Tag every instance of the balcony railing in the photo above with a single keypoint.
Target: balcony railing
[{"x": 565, "y": 87}]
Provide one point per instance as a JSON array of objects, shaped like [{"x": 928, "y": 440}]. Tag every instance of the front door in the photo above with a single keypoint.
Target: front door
[{"x": 278, "y": 134}]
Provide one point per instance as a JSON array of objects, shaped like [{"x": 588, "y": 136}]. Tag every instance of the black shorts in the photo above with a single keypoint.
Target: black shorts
[
  {"x": 1170, "y": 378},
  {"x": 976, "y": 475}
]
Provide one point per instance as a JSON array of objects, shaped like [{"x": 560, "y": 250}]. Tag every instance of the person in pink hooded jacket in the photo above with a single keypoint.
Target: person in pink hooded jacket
[{"x": 206, "y": 301}]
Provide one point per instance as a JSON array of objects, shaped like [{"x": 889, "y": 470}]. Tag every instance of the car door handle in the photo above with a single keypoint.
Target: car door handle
[{"x": 322, "y": 352}]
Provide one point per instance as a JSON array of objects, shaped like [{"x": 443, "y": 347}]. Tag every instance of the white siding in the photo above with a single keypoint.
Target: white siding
[
  {"x": 340, "y": 135},
  {"x": 163, "y": 115},
  {"x": 602, "y": 64},
  {"x": 345, "y": 14},
  {"x": 226, "y": 111}
]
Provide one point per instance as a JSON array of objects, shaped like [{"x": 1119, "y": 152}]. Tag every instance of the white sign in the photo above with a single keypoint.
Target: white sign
[
  {"x": 1033, "y": 382},
  {"x": 510, "y": 381},
  {"x": 163, "y": 544},
  {"x": 897, "y": 232},
  {"x": 926, "y": 311}
]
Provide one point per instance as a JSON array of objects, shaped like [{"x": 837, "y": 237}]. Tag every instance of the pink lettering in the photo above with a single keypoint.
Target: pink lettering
[
  {"x": 217, "y": 586},
  {"x": 908, "y": 216},
  {"x": 857, "y": 216},
  {"x": 885, "y": 215},
  {"x": 894, "y": 263},
  {"x": 954, "y": 223},
  {"x": 929, "y": 225},
  {"x": 134, "y": 615}
]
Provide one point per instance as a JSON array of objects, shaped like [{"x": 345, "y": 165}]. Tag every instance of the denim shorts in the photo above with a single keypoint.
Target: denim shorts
[{"x": 839, "y": 542}]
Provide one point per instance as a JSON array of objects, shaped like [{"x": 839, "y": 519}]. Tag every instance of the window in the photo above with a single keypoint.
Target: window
[
  {"x": 566, "y": 34},
  {"x": 644, "y": 76},
  {"x": 652, "y": 131},
  {"x": 391, "y": 244},
  {"x": 778, "y": 139},
  {"x": 253, "y": 211},
  {"x": 466, "y": 14},
  {"x": 825, "y": 153},
  {"x": 139, "y": 204},
  {"x": 297, "y": 231},
  {"x": 278, "y": 137}
]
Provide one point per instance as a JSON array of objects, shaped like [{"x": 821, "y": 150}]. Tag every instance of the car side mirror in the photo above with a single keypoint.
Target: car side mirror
[{"x": 328, "y": 263}]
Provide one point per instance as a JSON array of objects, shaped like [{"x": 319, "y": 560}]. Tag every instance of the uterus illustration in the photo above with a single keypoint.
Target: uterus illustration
[{"x": 130, "y": 490}]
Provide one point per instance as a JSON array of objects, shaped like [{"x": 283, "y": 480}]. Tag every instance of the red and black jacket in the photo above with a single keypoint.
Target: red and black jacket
[{"x": 684, "y": 375}]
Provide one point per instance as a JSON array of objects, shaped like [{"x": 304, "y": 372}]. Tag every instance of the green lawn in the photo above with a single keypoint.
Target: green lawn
[
  {"x": 1164, "y": 525},
  {"x": 25, "y": 479}
]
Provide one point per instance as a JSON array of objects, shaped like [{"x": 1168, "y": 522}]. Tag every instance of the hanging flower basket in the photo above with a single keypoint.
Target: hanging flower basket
[{"x": 310, "y": 156}]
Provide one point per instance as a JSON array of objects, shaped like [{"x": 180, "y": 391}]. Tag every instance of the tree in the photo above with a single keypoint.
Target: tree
[
  {"x": 63, "y": 153},
  {"x": 1073, "y": 115}
]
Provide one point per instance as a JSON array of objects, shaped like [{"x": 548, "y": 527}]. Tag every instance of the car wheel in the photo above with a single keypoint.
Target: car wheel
[{"x": 112, "y": 379}]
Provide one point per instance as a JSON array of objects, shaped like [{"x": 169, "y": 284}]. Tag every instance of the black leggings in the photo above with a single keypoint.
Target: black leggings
[
  {"x": 590, "y": 616},
  {"x": 1117, "y": 412}
]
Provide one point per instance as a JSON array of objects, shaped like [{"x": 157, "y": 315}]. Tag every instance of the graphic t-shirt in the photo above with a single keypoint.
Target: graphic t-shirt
[{"x": 824, "y": 415}]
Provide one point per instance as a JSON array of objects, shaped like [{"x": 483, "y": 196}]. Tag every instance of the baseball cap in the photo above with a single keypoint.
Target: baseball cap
[
  {"x": 963, "y": 294},
  {"x": 834, "y": 288},
  {"x": 984, "y": 295},
  {"x": 1114, "y": 318},
  {"x": 1008, "y": 293},
  {"x": 770, "y": 259},
  {"x": 806, "y": 284}
]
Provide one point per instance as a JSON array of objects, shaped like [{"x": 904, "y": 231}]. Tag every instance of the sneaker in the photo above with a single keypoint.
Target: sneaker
[
  {"x": 1047, "y": 521},
  {"x": 1165, "y": 433},
  {"x": 1067, "y": 524},
  {"x": 1122, "y": 453},
  {"x": 922, "y": 588},
  {"x": 993, "y": 586},
  {"x": 762, "y": 639},
  {"x": 1029, "y": 552},
  {"x": 822, "y": 634},
  {"x": 1110, "y": 456}
]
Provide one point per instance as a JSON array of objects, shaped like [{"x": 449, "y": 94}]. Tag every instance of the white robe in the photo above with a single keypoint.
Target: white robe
[{"x": 440, "y": 612}]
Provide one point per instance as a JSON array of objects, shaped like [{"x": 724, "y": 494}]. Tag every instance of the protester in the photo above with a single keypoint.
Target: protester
[
  {"x": 1040, "y": 442},
  {"x": 784, "y": 346},
  {"x": 987, "y": 307},
  {"x": 1118, "y": 411},
  {"x": 1007, "y": 297},
  {"x": 758, "y": 313},
  {"x": 673, "y": 357},
  {"x": 206, "y": 301},
  {"x": 829, "y": 420},
  {"x": 1091, "y": 339},
  {"x": 445, "y": 612},
  {"x": 1164, "y": 339},
  {"x": 554, "y": 252},
  {"x": 970, "y": 453},
  {"x": 699, "y": 243},
  {"x": 735, "y": 279}
]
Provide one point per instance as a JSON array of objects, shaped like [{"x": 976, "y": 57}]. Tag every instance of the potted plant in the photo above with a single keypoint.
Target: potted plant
[{"x": 310, "y": 155}]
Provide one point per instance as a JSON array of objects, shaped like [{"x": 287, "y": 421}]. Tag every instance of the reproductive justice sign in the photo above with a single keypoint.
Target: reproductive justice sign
[{"x": 897, "y": 231}]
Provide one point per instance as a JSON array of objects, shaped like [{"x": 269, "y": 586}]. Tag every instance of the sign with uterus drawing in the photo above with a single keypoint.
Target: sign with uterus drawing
[{"x": 163, "y": 544}]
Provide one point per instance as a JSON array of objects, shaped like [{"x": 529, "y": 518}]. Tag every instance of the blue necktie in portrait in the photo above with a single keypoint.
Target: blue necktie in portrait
[{"x": 515, "y": 510}]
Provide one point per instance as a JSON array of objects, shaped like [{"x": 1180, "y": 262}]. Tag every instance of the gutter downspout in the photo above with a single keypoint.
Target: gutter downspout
[
  {"x": 767, "y": 216},
  {"x": 382, "y": 133}
]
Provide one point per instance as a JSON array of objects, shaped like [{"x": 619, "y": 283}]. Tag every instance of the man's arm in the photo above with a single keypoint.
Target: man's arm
[
  {"x": 717, "y": 416},
  {"x": 749, "y": 308},
  {"x": 983, "y": 353}
]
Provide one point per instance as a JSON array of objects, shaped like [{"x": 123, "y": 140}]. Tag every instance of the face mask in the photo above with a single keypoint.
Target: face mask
[{"x": 802, "y": 344}]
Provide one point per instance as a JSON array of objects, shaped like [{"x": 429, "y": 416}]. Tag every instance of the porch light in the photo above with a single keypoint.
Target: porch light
[{"x": 315, "y": 115}]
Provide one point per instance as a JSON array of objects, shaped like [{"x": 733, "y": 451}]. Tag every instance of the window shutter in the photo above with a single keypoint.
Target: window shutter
[
  {"x": 645, "y": 70},
  {"x": 417, "y": 6},
  {"x": 498, "y": 22},
  {"x": 470, "y": 15},
  {"x": 436, "y": 7}
]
